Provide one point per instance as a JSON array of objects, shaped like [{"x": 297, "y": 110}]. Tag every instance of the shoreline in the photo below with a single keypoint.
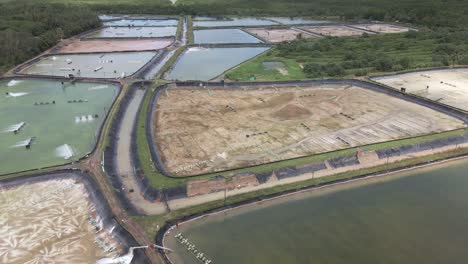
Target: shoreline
[{"x": 170, "y": 226}]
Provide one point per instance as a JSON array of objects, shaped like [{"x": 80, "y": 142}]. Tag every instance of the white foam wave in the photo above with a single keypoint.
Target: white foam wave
[
  {"x": 84, "y": 118},
  {"x": 14, "y": 127},
  {"x": 99, "y": 87},
  {"x": 13, "y": 83},
  {"x": 22, "y": 143},
  {"x": 16, "y": 94},
  {"x": 64, "y": 151}
]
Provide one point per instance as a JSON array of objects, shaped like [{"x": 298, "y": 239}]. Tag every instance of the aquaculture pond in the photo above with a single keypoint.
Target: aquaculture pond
[
  {"x": 223, "y": 36},
  {"x": 53, "y": 221},
  {"x": 296, "y": 21},
  {"x": 133, "y": 32},
  {"x": 206, "y": 63},
  {"x": 235, "y": 22},
  {"x": 412, "y": 217},
  {"x": 46, "y": 123},
  {"x": 141, "y": 23},
  {"x": 96, "y": 65}
]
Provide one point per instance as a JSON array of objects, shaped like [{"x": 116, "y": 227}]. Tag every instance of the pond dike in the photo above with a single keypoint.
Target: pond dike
[
  {"x": 97, "y": 199},
  {"x": 254, "y": 181}
]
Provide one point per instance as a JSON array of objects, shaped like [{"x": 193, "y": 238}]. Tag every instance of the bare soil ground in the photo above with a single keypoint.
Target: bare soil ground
[
  {"x": 334, "y": 31},
  {"x": 115, "y": 45},
  {"x": 278, "y": 35},
  {"x": 200, "y": 130},
  {"x": 448, "y": 87},
  {"x": 382, "y": 28}
]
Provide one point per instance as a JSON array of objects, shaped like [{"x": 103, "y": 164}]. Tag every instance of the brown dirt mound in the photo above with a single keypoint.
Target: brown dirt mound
[{"x": 290, "y": 112}]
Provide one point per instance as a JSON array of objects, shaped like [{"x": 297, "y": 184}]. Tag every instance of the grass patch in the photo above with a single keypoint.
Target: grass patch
[
  {"x": 190, "y": 38},
  {"x": 255, "y": 70}
]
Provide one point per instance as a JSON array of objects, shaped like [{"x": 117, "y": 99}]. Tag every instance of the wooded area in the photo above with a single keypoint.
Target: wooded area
[{"x": 28, "y": 28}]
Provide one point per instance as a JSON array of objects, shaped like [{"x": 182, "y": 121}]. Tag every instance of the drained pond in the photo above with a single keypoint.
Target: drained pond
[
  {"x": 417, "y": 216},
  {"x": 206, "y": 63},
  {"x": 56, "y": 220},
  {"x": 46, "y": 123}
]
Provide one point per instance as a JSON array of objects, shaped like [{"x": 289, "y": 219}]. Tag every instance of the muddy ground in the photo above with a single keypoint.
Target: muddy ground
[
  {"x": 115, "y": 45},
  {"x": 382, "y": 28},
  {"x": 278, "y": 35},
  {"x": 334, "y": 31},
  {"x": 448, "y": 87},
  {"x": 205, "y": 130}
]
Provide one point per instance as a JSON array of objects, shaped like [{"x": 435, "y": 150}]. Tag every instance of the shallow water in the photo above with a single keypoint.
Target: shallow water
[
  {"x": 47, "y": 222},
  {"x": 207, "y": 63},
  {"x": 98, "y": 65},
  {"x": 220, "y": 36},
  {"x": 141, "y": 23},
  {"x": 133, "y": 32},
  {"x": 235, "y": 22},
  {"x": 413, "y": 217},
  {"x": 51, "y": 124}
]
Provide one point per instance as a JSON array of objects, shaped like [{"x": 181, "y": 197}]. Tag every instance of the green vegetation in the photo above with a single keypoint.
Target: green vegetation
[
  {"x": 255, "y": 70},
  {"x": 339, "y": 57},
  {"x": 150, "y": 223},
  {"x": 28, "y": 28},
  {"x": 179, "y": 27},
  {"x": 190, "y": 37}
]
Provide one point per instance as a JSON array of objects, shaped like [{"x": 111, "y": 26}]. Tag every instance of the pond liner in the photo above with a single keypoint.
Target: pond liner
[
  {"x": 408, "y": 149},
  {"x": 110, "y": 153},
  {"x": 263, "y": 177},
  {"x": 289, "y": 172},
  {"x": 344, "y": 161},
  {"x": 96, "y": 197}
]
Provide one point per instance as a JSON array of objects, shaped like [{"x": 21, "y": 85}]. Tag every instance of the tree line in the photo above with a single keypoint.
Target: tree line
[{"x": 28, "y": 28}]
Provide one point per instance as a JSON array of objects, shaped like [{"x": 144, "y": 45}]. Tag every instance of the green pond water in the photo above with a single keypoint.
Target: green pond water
[
  {"x": 133, "y": 32},
  {"x": 419, "y": 216},
  {"x": 220, "y": 36},
  {"x": 63, "y": 132},
  {"x": 206, "y": 63},
  {"x": 97, "y": 65},
  {"x": 141, "y": 23}
]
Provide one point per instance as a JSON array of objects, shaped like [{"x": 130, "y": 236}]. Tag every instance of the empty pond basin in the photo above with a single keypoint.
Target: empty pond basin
[
  {"x": 296, "y": 21},
  {"x": 207, "y": 63},
  {"x": 97, "y": 65},
  {"x": 235, "y": 22},
  {"x": 54, "y": 221},
  {"x": 141, "y": 23},
  {"x": 220, "y": 36},
  {"x": 112, "y": 45},
  {"x": 46, "y": 123},
  {"x": 133, "y": 32}
]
